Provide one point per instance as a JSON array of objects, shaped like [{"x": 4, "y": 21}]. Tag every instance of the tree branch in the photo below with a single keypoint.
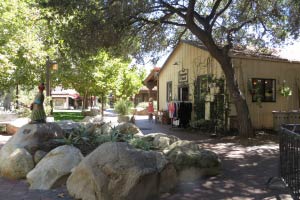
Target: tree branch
[
  {"x": 190, "y": 12},
  {"x": 236, "y": 29},
  {"x": 173, "y": 9},
  {"x": 214, "y": 10},
  {"x": 218, "y": 14}
]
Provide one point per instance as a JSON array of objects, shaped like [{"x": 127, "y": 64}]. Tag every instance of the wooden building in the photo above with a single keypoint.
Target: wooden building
[
  {"x": 191, "y": 74},
  {"x": 144, "y": 95},
  {"x": 64, "y": 99}
]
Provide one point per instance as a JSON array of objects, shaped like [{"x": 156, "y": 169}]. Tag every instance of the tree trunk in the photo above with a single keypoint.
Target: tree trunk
[
  {"x": 84, "y": 100},
  {"x": 222, "y": 56},
  {"x": 17, "y": 96},
  {"x": 102, "y": 105},
  {"x": 237, "y": 98}
]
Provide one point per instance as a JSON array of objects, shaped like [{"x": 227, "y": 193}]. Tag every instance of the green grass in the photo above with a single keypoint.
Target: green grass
[{"x": 75, "y": 116}]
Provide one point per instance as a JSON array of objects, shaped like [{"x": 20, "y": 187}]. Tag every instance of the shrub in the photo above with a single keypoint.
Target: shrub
[
  {"x": 139, "y": 143},
  {"x": 123, "y": 107}
]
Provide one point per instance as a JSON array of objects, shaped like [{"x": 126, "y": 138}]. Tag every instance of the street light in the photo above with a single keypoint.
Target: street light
[{"x": 50, "y": 65}]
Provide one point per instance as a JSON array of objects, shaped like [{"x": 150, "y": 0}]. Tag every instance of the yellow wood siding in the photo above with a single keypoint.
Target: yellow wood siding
[
  {"x": 261, "y": 115},
  {"x": 189, "y": 57},
  {"x": 199, "y": 62}
]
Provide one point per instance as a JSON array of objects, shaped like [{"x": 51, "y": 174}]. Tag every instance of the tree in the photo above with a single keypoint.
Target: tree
[
  {"x": 100, "y": 75},
  {"x": 220, "y": 25},
  {"x": 22, "y": 47}
]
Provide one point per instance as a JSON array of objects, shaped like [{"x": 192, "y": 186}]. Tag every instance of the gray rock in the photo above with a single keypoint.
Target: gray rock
[
  {"x": 54, "y": 168},
  {"x": 117, "y": 171},
  {"x": 17, "y": 165},
  {"x": 31, "y": 137},
  {"x": 38, "y": 155},
  {"x": 93, "y": 119},
  {"x": 160, "y": 140},
  {"x": 128, "y": 128},
  {"x": 68, "y": 125},
  {"x": 191, "y": 161},
  {"x": 106, "y": 129}
]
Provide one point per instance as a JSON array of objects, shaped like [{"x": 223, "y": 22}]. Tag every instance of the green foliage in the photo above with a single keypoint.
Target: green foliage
[
  {"x": 87, "y": 141},
  {"x": 22, "y": 51},
  {"x": 77, "y": 136},
  {"x": 285, "y": 90},
  {"x": 202, "y": 124},
  {"x": 139, "y": 143},
  {"x": 123, "y": 107},
  {"x": 214, "y": 88},
  {"x": 74, "y": 116}
]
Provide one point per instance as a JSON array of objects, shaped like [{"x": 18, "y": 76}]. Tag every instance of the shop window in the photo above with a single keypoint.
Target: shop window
[
  {"x": 169, "y": 91},
  {"x": 263, "y": 90}
]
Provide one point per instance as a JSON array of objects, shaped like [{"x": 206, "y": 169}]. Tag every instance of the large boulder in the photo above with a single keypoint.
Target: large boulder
[
  {"x": 118, "y": 171},
  {"x": 160, "y": 140},
  {"x": 93, "y": 119},
  {"x": 191, "y": 161},
  {"x": 38, "y": 155},
  {"x": 31, "y": 137},
  {"x": 105, "y": 129},
  {"x": 13, "y": 126},
  {"x": 17, "y": 164},
  {"x": 128, "y": 128},
  {"x": 35, "y": 137},
  {"x": 54, "y": 168},
  {"x": 68, "y": 125}
]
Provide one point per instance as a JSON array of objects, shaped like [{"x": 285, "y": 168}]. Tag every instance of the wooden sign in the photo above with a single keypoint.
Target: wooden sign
[{"x": 183, "y": 76}]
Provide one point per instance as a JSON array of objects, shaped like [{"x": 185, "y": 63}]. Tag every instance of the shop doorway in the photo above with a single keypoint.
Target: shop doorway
[{"x": 183, "y": 93}]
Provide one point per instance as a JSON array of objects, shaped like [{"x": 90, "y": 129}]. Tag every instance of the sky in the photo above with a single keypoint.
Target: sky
[{"x": 291, "y": 52}]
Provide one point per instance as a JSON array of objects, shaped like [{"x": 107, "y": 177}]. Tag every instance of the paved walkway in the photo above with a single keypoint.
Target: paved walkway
[{"x": 246, "y": 169}]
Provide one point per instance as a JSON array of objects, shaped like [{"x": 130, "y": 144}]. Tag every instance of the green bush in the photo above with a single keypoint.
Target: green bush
[
  {"x": 123, "y": 107},
  {"x": 139, "y": 143}
]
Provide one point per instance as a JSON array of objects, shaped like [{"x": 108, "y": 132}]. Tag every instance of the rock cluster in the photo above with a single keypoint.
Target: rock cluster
[{"x": 112, "y": 171}]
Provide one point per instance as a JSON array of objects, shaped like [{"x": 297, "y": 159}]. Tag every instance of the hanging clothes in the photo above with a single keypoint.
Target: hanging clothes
[
  {"x": 184, "y": 114},
  {"x": 171, "y": 109},
  {"x": 180, "y": 113}
]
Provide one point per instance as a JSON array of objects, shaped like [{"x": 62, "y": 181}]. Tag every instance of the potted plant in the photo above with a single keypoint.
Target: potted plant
[
  {"x": 285, "y": 91},
  {"x": 123, "y": 108}
]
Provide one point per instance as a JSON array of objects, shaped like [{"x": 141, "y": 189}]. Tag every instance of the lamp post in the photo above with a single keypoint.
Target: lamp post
[{"x": 50, "y": 65}]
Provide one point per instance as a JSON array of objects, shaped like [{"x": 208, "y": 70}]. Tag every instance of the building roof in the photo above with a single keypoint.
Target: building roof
[
  {"x": 145, "y": 89},
  {"x": 235, "y": 53},
  {"x": 152, "y": 75},
  {"x": 61, "y": 92}
]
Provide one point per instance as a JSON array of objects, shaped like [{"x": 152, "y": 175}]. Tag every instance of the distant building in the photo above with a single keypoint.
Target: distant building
[
  {"x": 66, "y": 99},
  {"x": 143, "y": 95}
]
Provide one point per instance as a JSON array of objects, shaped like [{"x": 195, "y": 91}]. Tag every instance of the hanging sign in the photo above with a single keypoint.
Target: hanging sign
[{"x": 183, "y": 76}]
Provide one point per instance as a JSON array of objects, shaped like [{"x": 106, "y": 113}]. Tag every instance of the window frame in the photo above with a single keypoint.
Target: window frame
[
  {"x": 169, "y": 91},
  {"x": 263, "y": 92}
]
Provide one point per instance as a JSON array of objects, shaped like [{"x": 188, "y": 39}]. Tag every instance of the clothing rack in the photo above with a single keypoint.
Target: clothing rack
[{"x": 180, "y": 113}]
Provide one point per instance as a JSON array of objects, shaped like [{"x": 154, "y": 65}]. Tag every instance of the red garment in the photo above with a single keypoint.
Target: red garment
[
  {"x": 150, "y": 107},
  {"x": 171, "y": 108}
]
